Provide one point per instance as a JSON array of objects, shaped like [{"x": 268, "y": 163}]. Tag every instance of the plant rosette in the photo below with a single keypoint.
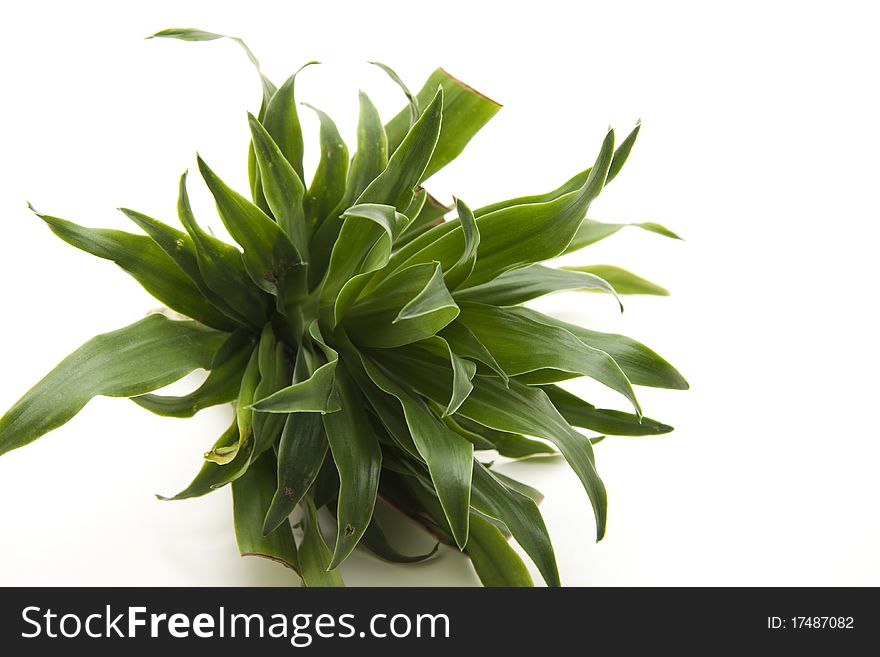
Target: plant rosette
[{"x": 372, "y": 340}]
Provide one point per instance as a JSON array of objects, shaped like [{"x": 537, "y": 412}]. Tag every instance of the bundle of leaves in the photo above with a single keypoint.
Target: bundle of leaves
[{"x": 373, "y": 347}]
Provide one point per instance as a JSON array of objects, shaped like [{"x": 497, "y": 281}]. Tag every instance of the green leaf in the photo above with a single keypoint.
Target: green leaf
[
  {"x": 525, "y": 489},
  {"x": 520, "y": 285},
  {"x": 141, "y": 257},
  {"x": 212, "y": 476},
  {"x": 465, "y": 111},
  {"x": 463, "y": 342},
  {"x": 397, "y": 183},
  {"x": 269, "y": 256},
  {"x": 221, "y": 385},
  {"x": 641, "y": 365},
  {"x": 430, "y": 214},
  {"x": 447, "y": 455},
  {"x": 496, "y": 563},
  {"x": 512, "y": 237},
  {"x": 414, "y": 110},
  {"x": 624, "y": 282},
  {"x": 371, "y": 157},
  {"x": 328, "y": 184},
  {"x": 275, "y": 374},
  {"x": 282, "y": 123},
  {"x": 131, "y": 361},
  {"x": 511, "y": 445},
  {"x": 244, "y": 417},
  {"x": 316, "y": 394},
  {"x": 181, "y": 248},
  {"x": 575, "y": 182},
  {"x": 462, "y": 269},
  {"x": 358, "y": 458},
  {"x": 579, "y": 413},
  {"x": 222, "y": 267},
  {"x": 314, "y": 555},
  {"x": 193, "y": 34},
  {"x": 591, "y": 232},
  {"x": 251, "y": 494},
  {"x": 376, "y": 541},
  {"x": 282, "y": 187},
  {"x": 523, "y": 345},
  {"x": 385, "y": 407},
  {"x": 301, "y": 452},
  {"x": 410, "y": 306},
  {"x": 518, "y": 409},
  {"x": 521, "y": 516},
  {"x": 364, "y": 246},
  {"x": 463, "y": 371}
]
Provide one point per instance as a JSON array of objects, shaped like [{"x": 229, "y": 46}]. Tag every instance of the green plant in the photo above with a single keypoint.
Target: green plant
[{"x": 369, "y": 344}]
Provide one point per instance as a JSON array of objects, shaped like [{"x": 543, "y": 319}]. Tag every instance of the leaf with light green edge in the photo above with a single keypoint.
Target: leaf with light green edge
[
  {"x": 376, "y": 541},
  {"x": 254, "y": 183},
  {"x": 463, "y": 370},
  {"x": 130, "y": 361},
  {"x": 212, "y": 476},
  {"x": 520, "y": 285},
  {"x": 251, "y": 494},
  {"x": 414, "y": 109},
  {"x": 221, "y": 385},
  {"x": 314, "y": 555},
  {"x": 518, "y": 409},
  {"x": 397, "y": 183},
  {"x": 447, "y": 455},
  {"x": 301, "y": 452},
  {"x": 364, "y": 245},
  {"x": 275, "y": 374},
  {"x": 371, "y": 157},
  {"x": 523, "y": 345},
  {"x": 430, "y": 214},
  {"x": 420, "y": 197},
  {"x": 621, "y": 154},
  {"x": 282, "y": 122},
  {"x": 369, "y": 161},
  {"x": 385, "y": 407},
  {"x": 194, "y": 34},
  {"x": 592, "y": 231},
  {"x": 222, "y": 267},
  {"x": 244, "y": 417},
  {"x": 148, "y": 264},
  {"x": 465, "y": 111},
  {"x": 512, "y": 237},
  {"x": 461, "y": 270},
  {"x": 181, "y": 248},
  {"x": 407, "y": 307},
  {"x": 642, "y": 366},
  {"x": 463, "y": 342},
  {"x": 328, "y": 183},
  {"x": 358, "y": 457},
  {"x": 530, "y": 492},
  {"x": 282, "y": 187},
  {"x": 521, "y": 516},
  {"x": 580, "y": 413},
  {"x": 511, "y": 445},
  {"x": 478, "y": 441},
  {"x": 270, "y": 258},
  {"x": 625, "y": 282},
  {"x": 497, "y": 564},
  {"x": 316, "y": 394}
]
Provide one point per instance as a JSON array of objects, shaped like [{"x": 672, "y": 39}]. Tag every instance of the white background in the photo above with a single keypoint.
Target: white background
[{"x": 759, "y": 146}]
